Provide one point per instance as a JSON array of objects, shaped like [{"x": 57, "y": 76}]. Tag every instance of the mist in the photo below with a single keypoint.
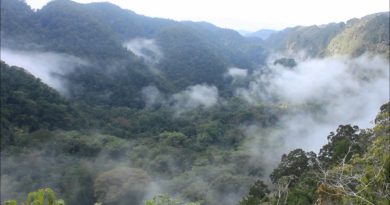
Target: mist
[
  {"x": 50, "y": 67},
  {"x": 237, "y": 72},
  {"x": 146, "y": 49},
  {"x": 196, "y": 96},
  {"x": 89, "y": 174},
  {"x": 152, "y": 96},
  {"x": 193, "y": 97},
  {"x": 318, "y": 95}
]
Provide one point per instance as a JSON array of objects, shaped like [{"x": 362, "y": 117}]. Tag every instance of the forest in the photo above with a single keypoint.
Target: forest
[{"x": 103, "y": 106}]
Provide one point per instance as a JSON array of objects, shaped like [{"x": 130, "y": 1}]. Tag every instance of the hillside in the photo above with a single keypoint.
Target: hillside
[
  {"x": 355, "y": 37},
  {"x": 30, "y": 105},
  {"x": 369, "y": 34},
  {"x": 103, "y": 33}
]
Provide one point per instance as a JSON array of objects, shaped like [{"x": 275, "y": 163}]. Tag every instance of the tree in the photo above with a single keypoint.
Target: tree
[
  {"x": 293, "y": 164},
  {"x": 344, "y": 141},
  {"x": 361, "y": 178}
]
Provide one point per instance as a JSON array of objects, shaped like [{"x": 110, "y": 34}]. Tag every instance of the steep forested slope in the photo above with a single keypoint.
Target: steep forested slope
[
  {"x": 355, "y": 37},
  {"x": 29, "y": 105},
  {"x": 369, "y": 34},
  {"x": 311, "y": 39}
]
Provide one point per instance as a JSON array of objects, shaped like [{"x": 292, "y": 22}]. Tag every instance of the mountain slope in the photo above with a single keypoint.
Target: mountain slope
[
  {"x": 29, "y": 104},
  {"x": 357, "y": 36},
  {"x": 311, "y": 39},
  {"x": 105, "y": 36},
  {"x": 369, "y": 34}
]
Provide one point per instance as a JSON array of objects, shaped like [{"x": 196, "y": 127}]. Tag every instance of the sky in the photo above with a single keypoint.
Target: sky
[{"x": 250, "y": 15}]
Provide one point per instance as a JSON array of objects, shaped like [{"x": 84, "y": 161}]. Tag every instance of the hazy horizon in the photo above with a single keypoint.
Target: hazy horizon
[{"x": 249, "y": 15}]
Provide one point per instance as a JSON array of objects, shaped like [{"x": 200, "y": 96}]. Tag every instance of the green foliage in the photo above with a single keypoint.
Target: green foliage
[
  {"x": 343, "y": 143},
  {"x": 175, "y": 139},
  {"x": 294, "y": 164},
  {"x": 10, "y": 202},
  {"x": 351, "y": 169},
  {"x": 39, "y": 197},
  {"x": 188, "y": 59},
  {"x": 29, "y": 104},
  {"x": 303, "y": 191}
]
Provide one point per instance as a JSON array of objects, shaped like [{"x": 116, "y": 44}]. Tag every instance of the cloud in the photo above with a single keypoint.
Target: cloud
[
  {"x": 48, "y": 66},
  {"x": 237, "y": 72},
  {"x": 146, "y": 49},
  {"x": 317, "y": 96},
  {"x": 196, "y": 96}
]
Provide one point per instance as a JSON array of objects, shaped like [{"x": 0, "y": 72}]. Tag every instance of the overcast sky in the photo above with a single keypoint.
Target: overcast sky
[{"x": 250, "y": 15}]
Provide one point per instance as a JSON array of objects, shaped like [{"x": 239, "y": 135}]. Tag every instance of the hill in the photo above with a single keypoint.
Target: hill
[{"x": 106, "y": 35}]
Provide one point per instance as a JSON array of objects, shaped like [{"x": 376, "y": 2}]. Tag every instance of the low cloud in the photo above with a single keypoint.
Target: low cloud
[
  {"x": 196, "y": 96},
  {"x": 48, "y": 66},
  {"x": 146, "y": 49},
  {"x": 237, "y": 72},
  {"x": 318, "y": 95}
]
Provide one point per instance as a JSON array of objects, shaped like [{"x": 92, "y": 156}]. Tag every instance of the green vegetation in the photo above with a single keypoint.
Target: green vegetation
[
  {"x": 311, "y": 39},
  {"x": 194, "y": 53},
  {"x": 87, "y": 165},
  {"x": 105, "y": 143},
  {"x": 369, "y": 34},
  {"x": 28, "y": 105},
  {"x": 353, "y": 168},
  {"x": 39, "y": 197}
]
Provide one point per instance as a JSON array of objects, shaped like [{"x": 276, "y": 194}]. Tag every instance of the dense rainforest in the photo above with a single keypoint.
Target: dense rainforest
[{"x": 100, "y": 105}]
